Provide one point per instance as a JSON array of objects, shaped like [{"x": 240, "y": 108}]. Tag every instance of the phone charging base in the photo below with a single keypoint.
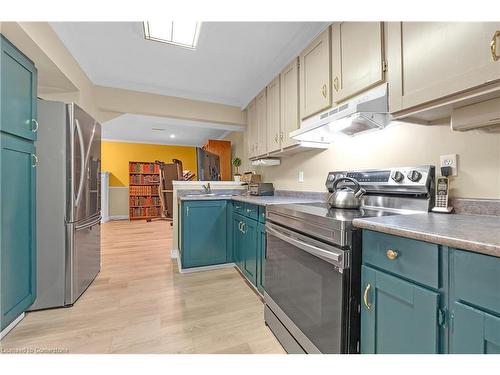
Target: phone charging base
[{"x": 443, "y": 210}]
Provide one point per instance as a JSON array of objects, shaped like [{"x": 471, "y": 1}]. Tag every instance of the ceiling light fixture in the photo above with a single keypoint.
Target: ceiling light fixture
[
  {"x": 172, "y": 135},
  {"x": 179, "y": 33}
]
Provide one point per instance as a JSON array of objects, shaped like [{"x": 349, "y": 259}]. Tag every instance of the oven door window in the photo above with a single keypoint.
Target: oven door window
[{"x": 309, "y": 290}]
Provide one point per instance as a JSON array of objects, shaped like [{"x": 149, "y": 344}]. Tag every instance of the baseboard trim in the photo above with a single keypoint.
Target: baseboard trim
[
  {"x": 11, "y": 326},
  {"x": 118, "y": 217},
  {"x": 204, "y": 268},
  {"x": 105, "y": 219}
]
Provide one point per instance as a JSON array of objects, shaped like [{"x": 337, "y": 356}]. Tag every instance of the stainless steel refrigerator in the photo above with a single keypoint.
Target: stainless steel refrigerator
[
  {"x": 68, "y": 203},
  {"x": 208, "y": 165}
]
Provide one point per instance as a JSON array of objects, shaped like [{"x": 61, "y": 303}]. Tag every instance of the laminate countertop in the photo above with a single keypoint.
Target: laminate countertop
[
  {"x": 475, "y": 233},
  {"x": 257, "y": 200}
]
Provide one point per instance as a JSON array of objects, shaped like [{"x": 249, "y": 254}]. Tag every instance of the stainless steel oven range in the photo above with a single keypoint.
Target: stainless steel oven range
[{"x": 313, "y": 258}]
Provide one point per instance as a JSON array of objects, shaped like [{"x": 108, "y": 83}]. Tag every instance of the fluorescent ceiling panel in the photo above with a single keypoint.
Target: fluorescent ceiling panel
[{"x": 179, "y": 33}]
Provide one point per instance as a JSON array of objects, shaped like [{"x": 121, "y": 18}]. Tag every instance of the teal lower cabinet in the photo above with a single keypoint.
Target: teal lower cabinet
[
  {"x": 397, "y": 316},
  {"x": 474, "y": 331},
  {"x": 204, "y": 233},
  {"x": 249, "y": 249},
  {"x": 419, "y": 297},
  {"x": 249, "y": 242},
  {"x": 475, "y": 306},
  {"x": 238, "y": 240},
  {"x": 261, "y": 255},
  {"x": 18, "y": 226}
]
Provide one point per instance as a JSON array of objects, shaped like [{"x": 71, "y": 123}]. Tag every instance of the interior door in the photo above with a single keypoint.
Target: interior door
[
  {"x": 86, "y": 164},
  {"x": 397, "y": 317}
]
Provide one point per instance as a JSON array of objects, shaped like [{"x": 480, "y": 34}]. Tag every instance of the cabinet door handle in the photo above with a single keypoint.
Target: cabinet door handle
[
  {"x": 323, "y": 91},
  {"x": 392, "y": 254},
  {"x": 34, "y": 122},
  {"x": 336, "y": 83},
  {"x": 493, "y": 46},
  {"x": 35, "y": 160},
  {"x": 187, "y": 211},
  {"x": 239, "y": 226},
  {"x": 365, "y": 296},
  {"x": 243, "y": 225}
]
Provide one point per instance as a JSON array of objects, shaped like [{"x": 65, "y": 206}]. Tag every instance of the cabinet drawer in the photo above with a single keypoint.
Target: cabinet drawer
[
  {"x": 238, "y": 207},
  {"x": 476, "y": 279},
  {"x": 251, "y": 211},
  {"x": 262, "y": 214},
  {"x": 411, "y": 259}
]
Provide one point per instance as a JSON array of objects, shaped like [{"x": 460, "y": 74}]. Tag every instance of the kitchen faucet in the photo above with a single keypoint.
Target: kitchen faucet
[{"x": 207, "y": 188}]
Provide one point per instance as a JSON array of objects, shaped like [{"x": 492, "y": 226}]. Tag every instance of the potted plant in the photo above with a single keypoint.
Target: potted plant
[{"x": 237, "y": 164}]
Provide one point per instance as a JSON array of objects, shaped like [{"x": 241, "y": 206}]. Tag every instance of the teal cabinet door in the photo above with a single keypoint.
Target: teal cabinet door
[
  {"x": 397, "y": 316},
  {"x": 473, "y": 331},
  {"x": 18, "y": 85},
  {"x": 18, "y": 227},
  {"x": 204, "y": 239},
  {"x": 238, "y": 241},
  {"x": 261, "y": 253},
  {"x": 249, "y": 250}
]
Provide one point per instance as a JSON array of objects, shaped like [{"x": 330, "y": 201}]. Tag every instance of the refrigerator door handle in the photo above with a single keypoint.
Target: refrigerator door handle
[
  {"x": 90, "y": 224},
  {"x": 82, "y": 162},
  {"x": 85, "y": 158}
]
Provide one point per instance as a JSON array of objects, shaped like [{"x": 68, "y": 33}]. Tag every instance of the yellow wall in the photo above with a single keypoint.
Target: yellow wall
[{"x": 116, "y": 155}]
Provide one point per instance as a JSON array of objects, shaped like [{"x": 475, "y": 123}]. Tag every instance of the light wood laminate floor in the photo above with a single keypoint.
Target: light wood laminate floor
[{"x": 140, "y": 303}]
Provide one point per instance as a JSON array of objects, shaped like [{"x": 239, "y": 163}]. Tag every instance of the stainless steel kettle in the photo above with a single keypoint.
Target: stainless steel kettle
[{"x": 346, "y": 196}]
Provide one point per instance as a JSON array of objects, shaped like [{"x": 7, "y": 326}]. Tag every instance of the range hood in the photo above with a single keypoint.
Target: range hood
[{"x": 368, "y": 111}]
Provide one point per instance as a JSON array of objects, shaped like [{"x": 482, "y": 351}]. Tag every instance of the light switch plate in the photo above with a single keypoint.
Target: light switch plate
[
  {"x": 301, "y": 176},
  {"x": 449, "y": 161}
]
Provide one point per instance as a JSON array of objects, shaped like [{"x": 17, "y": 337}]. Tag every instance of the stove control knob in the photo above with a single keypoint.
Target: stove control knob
[
  {"x": 398, "y": 176},
  {"x": 414, "y": 176},
  {"x": 331, "y": 177}
]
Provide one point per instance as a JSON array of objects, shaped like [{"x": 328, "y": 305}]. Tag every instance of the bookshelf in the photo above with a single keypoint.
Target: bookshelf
[{"x": 144, "y": 201}]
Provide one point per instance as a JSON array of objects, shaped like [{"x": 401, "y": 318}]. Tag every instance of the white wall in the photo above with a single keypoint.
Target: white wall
[{"x": 401, "y": 144}]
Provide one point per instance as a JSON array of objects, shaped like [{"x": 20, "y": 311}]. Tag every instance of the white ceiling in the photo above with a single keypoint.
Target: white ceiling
[
  {"x": 145, "y": 129},
  {"x": 231, "y": 64}
]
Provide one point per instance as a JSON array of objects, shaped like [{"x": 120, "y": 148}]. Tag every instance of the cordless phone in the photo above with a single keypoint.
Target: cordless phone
[{"x": 442, "y": 189}]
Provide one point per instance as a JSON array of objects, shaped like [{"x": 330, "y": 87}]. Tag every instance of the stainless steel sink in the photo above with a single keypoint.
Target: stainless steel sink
[{"x": 208, "y": 195}]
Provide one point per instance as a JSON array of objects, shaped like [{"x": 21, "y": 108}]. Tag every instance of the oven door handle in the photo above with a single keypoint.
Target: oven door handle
[{"x": 311, "y": 249}]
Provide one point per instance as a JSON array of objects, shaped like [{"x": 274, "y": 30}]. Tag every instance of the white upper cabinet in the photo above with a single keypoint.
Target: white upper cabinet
[
  {"x": 273, "y": 116},
  {"x": 315, "y": 88},
  {"x": 357, "y": 58},
  {"x": 289, "y": 80},
  {"x": 261, "y": 101},
  {"x": 251, "y": 129},
  {"x": 432, "y": 60}
]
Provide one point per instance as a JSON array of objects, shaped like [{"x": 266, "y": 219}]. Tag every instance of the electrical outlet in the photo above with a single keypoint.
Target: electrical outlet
[
  {"x": 449, "y": 161},
  {"x": 301, "y": 176}
]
